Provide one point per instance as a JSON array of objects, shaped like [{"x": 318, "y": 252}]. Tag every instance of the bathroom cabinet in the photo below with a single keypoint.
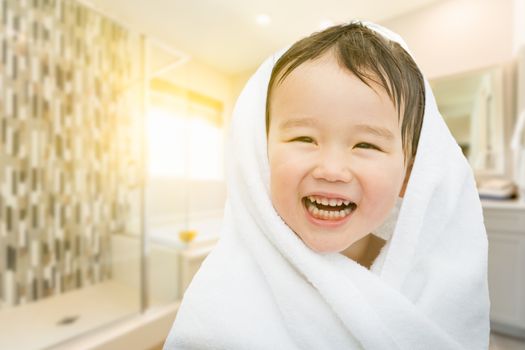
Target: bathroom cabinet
[{"x": 505, "y": 224}]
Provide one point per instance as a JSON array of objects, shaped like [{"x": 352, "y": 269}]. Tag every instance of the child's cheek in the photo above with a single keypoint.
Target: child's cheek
[
  {"x": 287, "y": 158},
  {"x": 381, "y": 186}
]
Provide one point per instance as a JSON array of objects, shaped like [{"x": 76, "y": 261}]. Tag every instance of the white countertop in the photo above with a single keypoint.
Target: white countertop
[{"x": 517, "y": 204}]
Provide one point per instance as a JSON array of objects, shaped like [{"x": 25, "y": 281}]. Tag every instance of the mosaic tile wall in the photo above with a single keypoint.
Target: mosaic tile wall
[{"x": 66, "y": 121}]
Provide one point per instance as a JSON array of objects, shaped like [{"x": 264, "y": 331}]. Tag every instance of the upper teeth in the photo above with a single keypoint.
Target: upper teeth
[{"x": 329, "y": 201}]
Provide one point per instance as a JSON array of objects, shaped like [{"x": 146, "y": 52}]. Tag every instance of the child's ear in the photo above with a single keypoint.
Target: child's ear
[{"x": 405, "y": 181}]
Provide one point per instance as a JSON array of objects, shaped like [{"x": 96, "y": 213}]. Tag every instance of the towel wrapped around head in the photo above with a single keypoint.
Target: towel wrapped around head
[{"x": 262, "y": 287}]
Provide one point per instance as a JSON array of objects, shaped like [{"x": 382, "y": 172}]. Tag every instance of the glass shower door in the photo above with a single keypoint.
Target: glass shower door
[{"x": 70, "y": 224}]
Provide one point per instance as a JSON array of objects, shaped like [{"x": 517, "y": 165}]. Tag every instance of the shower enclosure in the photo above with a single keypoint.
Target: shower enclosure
[{"x": 76, "y": 254}]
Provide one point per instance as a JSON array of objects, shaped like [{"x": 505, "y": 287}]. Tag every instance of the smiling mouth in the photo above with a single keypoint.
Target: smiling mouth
[{"x": 328, "y": 209}]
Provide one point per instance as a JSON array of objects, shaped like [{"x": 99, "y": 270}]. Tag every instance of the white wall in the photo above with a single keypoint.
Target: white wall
[
  {"x": 167, "y": 202},
  {"x": 201, "y": 78},
  {"x": 458, "y": 35},
  {"x": 519, "y": 25}
]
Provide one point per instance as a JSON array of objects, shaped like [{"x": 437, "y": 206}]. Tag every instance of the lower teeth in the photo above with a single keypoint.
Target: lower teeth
[{"x": 328, "y": 214}]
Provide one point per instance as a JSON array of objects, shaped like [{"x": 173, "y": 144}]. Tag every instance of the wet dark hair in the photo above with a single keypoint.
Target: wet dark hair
[{"x": 371, "y": 58}]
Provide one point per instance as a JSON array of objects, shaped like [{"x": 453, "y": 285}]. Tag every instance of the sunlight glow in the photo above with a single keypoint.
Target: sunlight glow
[
  {"x": 263, "y": 19},
  {"x": 183, "y": 147}
]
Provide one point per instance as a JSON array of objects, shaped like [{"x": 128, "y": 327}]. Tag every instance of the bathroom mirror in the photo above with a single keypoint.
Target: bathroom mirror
[{"x": 472, "y": 105}]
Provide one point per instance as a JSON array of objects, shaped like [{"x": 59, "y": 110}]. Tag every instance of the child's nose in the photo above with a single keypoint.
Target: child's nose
[{"x": 334, "y": 168}]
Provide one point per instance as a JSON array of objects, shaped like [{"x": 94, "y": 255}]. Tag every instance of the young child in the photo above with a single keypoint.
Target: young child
[{"x": 352, "y": 219}]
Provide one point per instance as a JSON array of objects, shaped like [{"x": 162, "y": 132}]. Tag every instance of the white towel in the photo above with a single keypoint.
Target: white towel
[{"x": 263, "y": 288}]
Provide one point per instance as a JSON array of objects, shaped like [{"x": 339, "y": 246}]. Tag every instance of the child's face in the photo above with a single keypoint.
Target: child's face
[{"x": 334, "y": 140}]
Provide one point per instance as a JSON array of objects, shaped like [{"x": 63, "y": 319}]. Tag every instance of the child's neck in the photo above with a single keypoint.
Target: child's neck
[{"x": 365, "y": 250}]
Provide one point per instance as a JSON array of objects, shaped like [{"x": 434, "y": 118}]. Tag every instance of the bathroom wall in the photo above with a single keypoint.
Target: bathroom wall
[
  {"x": 454, "y": 36},
  {"x": 66, "y": 122},
  {"x": 519, "y": 47},
  {"x": 519, "y": 25},
  {"x": 199, "y": 77}
]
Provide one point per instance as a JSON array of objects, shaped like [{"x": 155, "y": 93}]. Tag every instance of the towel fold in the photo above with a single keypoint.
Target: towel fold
[{"x": 263, "y": 288}]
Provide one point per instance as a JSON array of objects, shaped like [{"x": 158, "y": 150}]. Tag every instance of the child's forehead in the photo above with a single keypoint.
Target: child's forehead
[
  {"x": 325, "y": 77},
  {"x": 296, "y": 106}
]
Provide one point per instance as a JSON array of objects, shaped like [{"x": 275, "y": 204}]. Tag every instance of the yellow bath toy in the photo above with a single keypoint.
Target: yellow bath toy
[{"x": 187, "y": 235}]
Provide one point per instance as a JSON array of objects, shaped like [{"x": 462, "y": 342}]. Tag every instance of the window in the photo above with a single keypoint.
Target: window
[{"x": 185, "y": 134}]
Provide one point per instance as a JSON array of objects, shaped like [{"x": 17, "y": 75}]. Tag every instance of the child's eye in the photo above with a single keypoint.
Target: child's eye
[
  {"x": 305, "y": 139},
  {"x": 366, "y": 145}
]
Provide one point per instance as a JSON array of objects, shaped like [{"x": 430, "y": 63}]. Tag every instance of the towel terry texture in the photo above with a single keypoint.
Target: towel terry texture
[{"x": 263, "y": 288}]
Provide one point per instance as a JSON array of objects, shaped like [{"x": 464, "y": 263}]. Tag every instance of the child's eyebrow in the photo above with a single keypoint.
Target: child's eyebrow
[
  {"x": 297, "y": 122},
  {"x": 376, "y": 130},
  {"x": 371, "y": 129}
]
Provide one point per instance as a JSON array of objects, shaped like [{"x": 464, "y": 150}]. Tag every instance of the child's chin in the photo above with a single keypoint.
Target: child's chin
[{"x": 324, "y": 248}]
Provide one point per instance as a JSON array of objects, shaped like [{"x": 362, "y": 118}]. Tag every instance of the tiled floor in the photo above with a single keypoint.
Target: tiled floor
[
  {"x": 91, "y": 306},
  {"x": 501, "y": 342}
]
